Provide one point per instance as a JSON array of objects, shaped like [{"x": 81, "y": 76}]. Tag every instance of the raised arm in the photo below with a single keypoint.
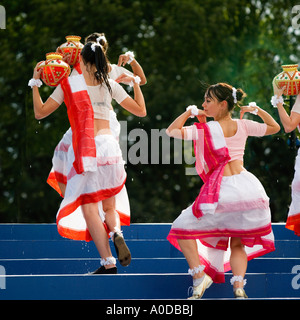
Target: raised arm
[
  {"x": 136, "y": 67},
  {"x": 41, "y": 109},
  {"x": 137, "y": 105},
  {"x": 289, "y": 122},
  {"x": 272, "y": 126},
  {"x": 177, "y": 130}
]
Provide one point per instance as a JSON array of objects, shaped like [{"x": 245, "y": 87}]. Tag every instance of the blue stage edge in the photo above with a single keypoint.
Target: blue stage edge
[{"x": 36, "y": 263}]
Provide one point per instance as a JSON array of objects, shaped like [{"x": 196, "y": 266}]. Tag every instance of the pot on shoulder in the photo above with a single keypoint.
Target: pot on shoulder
[
  {"x": 289, "y": 77},
  {"x": 54, "y": 69},
  {"x": 71, "y": 50}
]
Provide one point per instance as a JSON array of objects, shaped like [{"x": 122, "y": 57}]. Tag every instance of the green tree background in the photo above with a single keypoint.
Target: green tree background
[{"x": 181, "y": 44}]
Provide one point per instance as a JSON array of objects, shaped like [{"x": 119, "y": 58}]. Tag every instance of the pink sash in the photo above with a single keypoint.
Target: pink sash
[{"x": 211, "y": 155}]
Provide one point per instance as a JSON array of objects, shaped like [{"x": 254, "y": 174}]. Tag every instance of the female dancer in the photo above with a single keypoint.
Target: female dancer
[
  {"x": 58, "y": 174},
  {"x": 95, "y": 166},
  {"x": 290, "y": 123},
  {"x": 232, "y": 202}
]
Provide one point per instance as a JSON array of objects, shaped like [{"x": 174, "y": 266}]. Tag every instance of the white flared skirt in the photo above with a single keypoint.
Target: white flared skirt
[
  {"x": 243, "y": 212},
  {"x": 93, "y": 187},
  {"x": 59, "y": 170}
]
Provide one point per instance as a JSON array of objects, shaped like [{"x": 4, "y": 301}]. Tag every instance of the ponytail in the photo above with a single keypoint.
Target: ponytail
[
  {"x": 93, "y": 55},
  {"x": 102, "y": 67}
]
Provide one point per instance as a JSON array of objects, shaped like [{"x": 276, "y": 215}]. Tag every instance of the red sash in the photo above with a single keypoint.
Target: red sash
[
  {"x": 81, "y": 117},
  {"x": 77, "y": 68}
]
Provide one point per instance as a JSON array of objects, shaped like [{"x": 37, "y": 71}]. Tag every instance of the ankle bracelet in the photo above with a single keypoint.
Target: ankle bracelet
[
  {"x": 238, "y": 279},
  {"x": 196, "y": 270},
  {"x": 116, "y": 229},
  {"x": 107, "y": 261}
]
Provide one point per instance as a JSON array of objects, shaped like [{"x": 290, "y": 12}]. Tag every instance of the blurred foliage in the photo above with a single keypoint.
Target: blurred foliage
[{"x": 182, "y": 45}]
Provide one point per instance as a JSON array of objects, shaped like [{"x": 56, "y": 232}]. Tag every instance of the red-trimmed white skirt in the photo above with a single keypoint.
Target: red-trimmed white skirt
[
  {"x": 243, "y": 211},
  {"x": 59, "y": 170},
  {"x": 293, "y": 220},
  {"x": 93, "y": 187}
]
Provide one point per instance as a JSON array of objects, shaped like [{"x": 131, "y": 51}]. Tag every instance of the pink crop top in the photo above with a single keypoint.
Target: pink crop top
[{"x": 236, "y": 144}]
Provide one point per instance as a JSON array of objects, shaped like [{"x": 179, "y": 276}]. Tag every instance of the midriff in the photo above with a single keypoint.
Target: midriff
[
  {"x": 233, "y": 167},
  {"x": 101, "y": 127}
]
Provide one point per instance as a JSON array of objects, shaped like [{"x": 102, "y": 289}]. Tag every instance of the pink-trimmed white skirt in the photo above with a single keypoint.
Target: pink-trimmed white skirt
[
  {"x": 293, "y": 220},
  {"x": 243, "y": 211},
  {"x": 93, "y": 187}
]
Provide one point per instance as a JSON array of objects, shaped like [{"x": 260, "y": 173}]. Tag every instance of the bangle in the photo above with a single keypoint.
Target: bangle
[
  {"x": 194, "y": 110},
  {"x": 34, "y": 83},
  {"x": 136, "y": 79},
  {"x": 275, "y": 100},
  {"x": 254, "y": 105},
  {"x": 130, "y": 55}
]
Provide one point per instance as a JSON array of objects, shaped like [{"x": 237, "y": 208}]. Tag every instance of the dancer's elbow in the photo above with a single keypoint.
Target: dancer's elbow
[
  {"x": 38, "y": 116},
  {"x": 276, "y": 128},
  {"x": 288, "y": 128},
  {"x": 143, "y": 113}
]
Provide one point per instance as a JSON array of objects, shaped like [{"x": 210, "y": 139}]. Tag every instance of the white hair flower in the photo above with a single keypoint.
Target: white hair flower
[
  {"x": 101, "y": 38},
  {"x": 97, "y": 43},
  {"x": 234, "y": 94}
]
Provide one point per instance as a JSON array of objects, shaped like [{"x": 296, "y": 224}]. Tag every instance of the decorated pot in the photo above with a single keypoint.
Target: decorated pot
[
  {"x": 71, "y": 49},
  {"x": 54, "y": 69},
  {"x": 289, "y": 77}
]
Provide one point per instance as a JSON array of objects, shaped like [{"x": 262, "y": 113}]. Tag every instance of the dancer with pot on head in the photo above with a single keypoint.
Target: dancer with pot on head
[
  {"x": 96, "y": 171},
  {"x": 232, "y": 204},
  {"x": 290, "y": 123}
]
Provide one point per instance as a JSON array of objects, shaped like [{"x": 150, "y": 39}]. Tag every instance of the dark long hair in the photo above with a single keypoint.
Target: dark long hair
[
  {"x": 98, "y": 59},
  {"x": 223, "y": 91}
]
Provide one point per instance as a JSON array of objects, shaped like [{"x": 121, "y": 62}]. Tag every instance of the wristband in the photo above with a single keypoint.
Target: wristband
[
  {"x": 194, "y": 110},
  {"x": 34, "y": 83},
  {"x": 253, "y": 104},
  {"x": 136, "y": 79},
  {"x": 130, "y": 55},
  {"x": 275, "y": 100}
]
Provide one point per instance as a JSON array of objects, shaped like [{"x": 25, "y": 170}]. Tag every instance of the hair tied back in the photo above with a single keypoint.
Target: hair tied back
[{"x": 97, "y": 43}]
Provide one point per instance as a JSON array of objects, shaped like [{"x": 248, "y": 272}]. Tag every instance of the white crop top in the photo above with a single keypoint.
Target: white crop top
[{"x": 100, "y": 98}]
